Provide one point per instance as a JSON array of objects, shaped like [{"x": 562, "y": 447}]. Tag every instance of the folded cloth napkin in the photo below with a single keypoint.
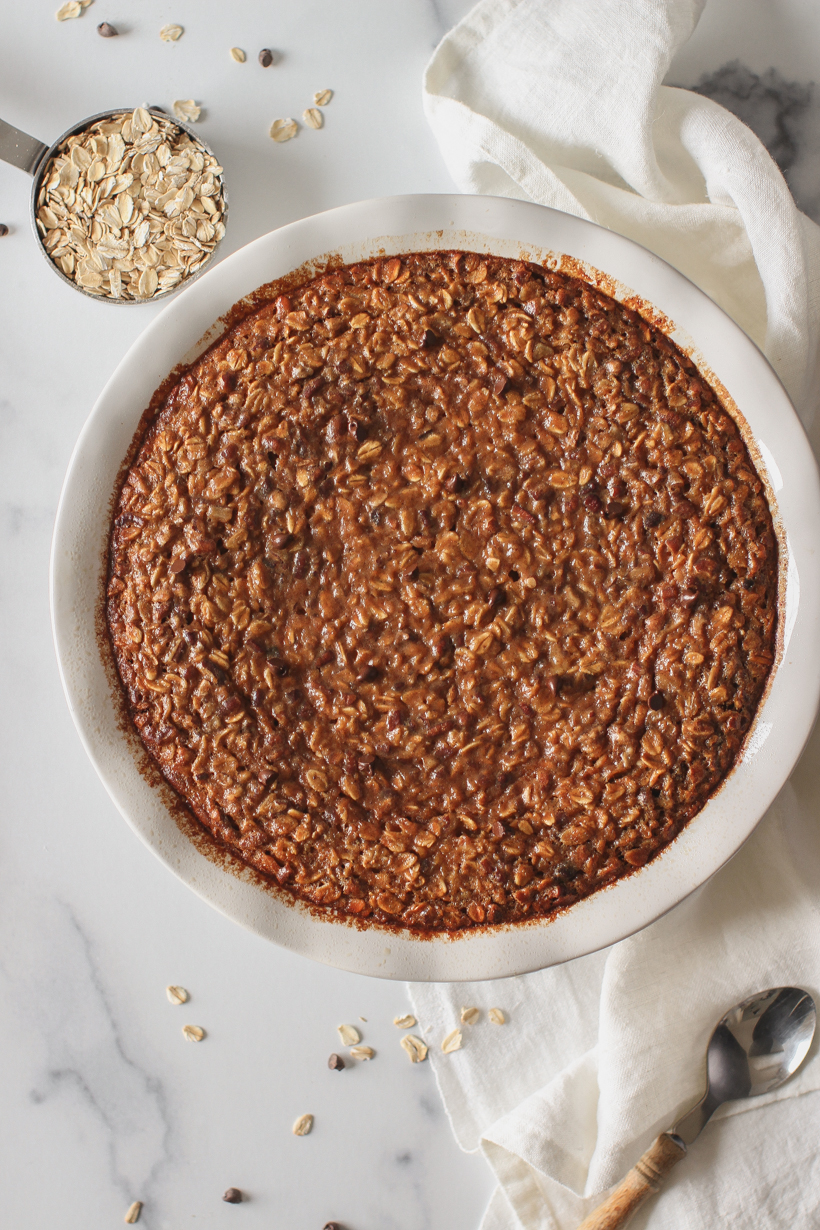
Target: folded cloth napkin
[{"x": 561, "y": 102}]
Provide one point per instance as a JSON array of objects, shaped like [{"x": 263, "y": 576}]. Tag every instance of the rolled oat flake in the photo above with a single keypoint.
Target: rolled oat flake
[
  {"x": 133, "y": 1214},
  {"x": 415, "y": 1048},
  {"x": 362, "y": 1052},
  {"x": 452, "y": 1042}
]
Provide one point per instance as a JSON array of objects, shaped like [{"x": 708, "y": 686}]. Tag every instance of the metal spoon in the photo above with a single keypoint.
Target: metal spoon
[
  {"x": 754, "y": 1049},
  {"x": 34, "y": 157}
]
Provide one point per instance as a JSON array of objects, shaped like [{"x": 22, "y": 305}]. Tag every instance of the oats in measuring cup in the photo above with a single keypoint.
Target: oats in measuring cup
[{"x": 131, "y": 206}]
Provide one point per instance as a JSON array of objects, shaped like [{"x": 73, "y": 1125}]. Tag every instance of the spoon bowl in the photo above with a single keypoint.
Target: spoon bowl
[{"x": 756, "y": 1046}]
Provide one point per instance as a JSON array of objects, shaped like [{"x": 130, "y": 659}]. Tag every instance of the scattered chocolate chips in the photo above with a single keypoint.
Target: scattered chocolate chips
[
  {"x": 652, "y": 518},
  {"x": 233, "y": 1196},
  {"x": 266, "y": 57},
  {"x": 4, "y": 230},
  {"x": 430, "y": 339},
  {"x": 333, "y": 1225},
  {"x": 657, "y": 701},
  {"x": 335, "y": 1063},
  {"x": 107, "y": 30}
]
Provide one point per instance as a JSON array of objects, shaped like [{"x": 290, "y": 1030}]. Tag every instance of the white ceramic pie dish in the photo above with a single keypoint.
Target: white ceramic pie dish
[{"x": 508, "y": 228}]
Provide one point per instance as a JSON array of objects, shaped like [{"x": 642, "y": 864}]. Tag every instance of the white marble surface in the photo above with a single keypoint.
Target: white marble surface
[{"x": 103, "y": 1101}]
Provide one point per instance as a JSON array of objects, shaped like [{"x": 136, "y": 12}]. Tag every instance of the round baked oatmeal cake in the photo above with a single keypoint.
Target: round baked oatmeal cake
[{"x": 442, "y": 590}]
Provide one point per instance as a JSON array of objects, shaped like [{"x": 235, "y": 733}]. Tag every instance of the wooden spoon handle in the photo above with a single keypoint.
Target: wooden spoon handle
[{"x": 643, "y": 1180}]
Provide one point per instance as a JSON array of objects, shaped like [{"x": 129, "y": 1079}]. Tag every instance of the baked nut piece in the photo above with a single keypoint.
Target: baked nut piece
[{"x": 443, "y": 590}]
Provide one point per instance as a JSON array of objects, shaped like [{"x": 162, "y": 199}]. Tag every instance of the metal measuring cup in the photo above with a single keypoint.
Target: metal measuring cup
[{"x": 26, "y": 152}]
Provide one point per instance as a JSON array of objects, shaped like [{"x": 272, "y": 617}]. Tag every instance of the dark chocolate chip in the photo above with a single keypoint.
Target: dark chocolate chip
[
  {"x": 615, "y": 509},
  {"x": 266, "y": 57},
  {"x": 107, "y": 30},
  {"x": 336, "y": 1063},
  {"x": 454, "y": 483},
  {"x": 279, "y": 540},
  {"x": 430, "y": 339},
  {"x": 689, "y": 596},
  {"x": 233, "y": 1196},
  {"x": 657, "y": 701},
  {"x": 652, "y": 518}
]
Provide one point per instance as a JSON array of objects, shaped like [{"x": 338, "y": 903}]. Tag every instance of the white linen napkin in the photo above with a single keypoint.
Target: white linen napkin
[{"x": 561, "y": 102}]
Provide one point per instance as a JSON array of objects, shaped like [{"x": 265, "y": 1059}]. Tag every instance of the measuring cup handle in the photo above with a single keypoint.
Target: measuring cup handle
[{"x": 20, "y": 149}]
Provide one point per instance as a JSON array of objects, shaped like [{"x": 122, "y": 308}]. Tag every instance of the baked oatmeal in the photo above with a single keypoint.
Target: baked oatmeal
[{"x": 443, "y": 590}]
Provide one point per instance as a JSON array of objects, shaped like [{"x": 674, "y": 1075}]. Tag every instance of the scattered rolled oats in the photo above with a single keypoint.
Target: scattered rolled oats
[
  {"x": 303, "y": 1125},
  {"x": 131, "y": 206},
  {"x": 194, "y": 1033},
  {"x": 416, "y": 1049},
  {"x": 283, "y": 130},
  {"x": 362, "y": 1052},
  {"x": 66, "y": 11},
  {"x": 497, "y": 1016},
  {"x": 322, "y": 97},
  {"x": 452, "y": 1042},
  {"x": 133, "y": 1214},
  {"x": 186, "y": 109},
  {"x": 177, "y": 995},
  {"x": 313, "y": 117},
  {"x": 469, "y": 1016},
  {"x": 238, "y": 54},
  {"x": 405, "y": 1022},
  {"x": 349, "y": 1035},
  {"x": 171, "y": 33}
]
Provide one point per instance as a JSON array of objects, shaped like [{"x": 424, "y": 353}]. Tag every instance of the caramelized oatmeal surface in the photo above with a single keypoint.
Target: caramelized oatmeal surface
[{"x": 443, "y": 590}]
